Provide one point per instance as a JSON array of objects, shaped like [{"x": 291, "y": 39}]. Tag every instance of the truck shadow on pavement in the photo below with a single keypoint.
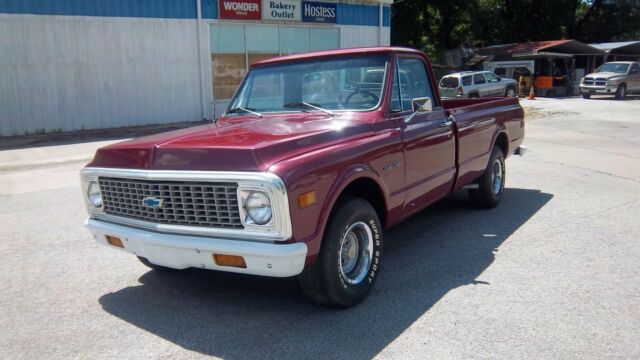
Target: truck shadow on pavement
[{"x": 242, "y": 317}]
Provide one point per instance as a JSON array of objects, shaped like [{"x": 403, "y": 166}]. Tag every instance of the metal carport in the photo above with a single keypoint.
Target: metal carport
[{"x": 625, "y": 50}]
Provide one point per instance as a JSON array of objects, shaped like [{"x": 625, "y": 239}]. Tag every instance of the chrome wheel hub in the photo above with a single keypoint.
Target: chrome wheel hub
[
  {"x": 497, "y": 176},
  {"x": 356, "y": 248}
]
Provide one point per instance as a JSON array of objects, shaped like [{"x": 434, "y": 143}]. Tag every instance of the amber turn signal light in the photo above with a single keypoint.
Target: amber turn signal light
[
  {"x": 306, "y": 199},
  {"x": 114, "y": 241},
  {"x": 229, "y": 260}
]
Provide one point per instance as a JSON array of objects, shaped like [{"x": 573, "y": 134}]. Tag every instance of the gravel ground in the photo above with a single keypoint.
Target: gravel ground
[{"x": 551, "y": 273}]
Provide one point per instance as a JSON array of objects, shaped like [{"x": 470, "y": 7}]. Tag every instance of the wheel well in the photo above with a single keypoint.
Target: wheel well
[
  {"x": 503, "y": 143},
  {"x": 367, "y": 189}
]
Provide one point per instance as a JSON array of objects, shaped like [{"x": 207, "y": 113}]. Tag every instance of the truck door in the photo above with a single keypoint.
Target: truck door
[{"x": 428, "y": 139}]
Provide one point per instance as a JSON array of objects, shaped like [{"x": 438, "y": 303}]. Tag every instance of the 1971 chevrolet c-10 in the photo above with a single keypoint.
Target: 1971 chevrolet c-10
[{"x": 315, "y": 156}]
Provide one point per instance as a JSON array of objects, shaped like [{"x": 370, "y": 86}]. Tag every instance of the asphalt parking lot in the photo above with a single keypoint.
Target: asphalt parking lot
[{"x": 551, "y": 273}]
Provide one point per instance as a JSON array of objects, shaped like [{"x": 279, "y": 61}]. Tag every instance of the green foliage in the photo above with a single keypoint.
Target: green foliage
[{"x": 437, "y": 25}]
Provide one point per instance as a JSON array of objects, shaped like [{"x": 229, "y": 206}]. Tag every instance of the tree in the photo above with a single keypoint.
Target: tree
[{"x": 436, "y": 25}]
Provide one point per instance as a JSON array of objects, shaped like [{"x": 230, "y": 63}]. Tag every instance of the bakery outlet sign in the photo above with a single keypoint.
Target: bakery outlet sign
[{"x": 282, "y": 10}]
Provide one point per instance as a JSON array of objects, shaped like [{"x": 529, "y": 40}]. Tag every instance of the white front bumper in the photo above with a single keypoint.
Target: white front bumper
[{"x": 183, "y": 251}]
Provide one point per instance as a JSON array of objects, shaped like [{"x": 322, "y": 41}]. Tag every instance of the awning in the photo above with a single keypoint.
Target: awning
[
  {"x": 628, "y": 48},
  {"x": 538, "y": 48}
]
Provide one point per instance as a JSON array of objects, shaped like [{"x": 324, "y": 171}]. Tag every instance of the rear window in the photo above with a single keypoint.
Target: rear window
[
  {"x": 466, "y": 80},
  {"x": 449, "y": 82}
]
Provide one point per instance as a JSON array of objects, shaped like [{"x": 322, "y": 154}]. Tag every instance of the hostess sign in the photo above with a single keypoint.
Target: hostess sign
[
  {"x": 319, "y": 12},
  {"x": 281, "y": 10},
  {"x": 240, "y": 9}
]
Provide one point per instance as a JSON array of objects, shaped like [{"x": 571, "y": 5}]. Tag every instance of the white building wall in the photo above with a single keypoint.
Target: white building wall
[{"x": 62, "y": 73}]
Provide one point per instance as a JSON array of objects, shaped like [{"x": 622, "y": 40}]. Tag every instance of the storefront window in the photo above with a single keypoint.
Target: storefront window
[
  {"x": 262, "y": 42},
  {"x": 235, "y": 47},
  {"x": 294, "y": 40},
  {"x": 228, "y": 63},
  {"x": 324, "y": 39}
]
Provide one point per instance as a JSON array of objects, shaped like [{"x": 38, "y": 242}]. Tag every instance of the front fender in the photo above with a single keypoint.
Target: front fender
[{"x": 343, "y": 179}]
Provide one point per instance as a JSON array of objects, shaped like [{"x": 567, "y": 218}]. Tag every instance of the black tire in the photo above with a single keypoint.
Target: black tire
[
  {"x": 474, "y": 96},
  {"x": 328, "y": 281},
  {"x": 510, "y": 92},
  {"x": 621, "y": 91},
  {"x": 489, "y": 193},
  {"x": 155, "y": 267},
  {"x": 586, "y": 95}
]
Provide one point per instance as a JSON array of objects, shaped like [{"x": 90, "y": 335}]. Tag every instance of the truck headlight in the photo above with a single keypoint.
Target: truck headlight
[
  {"x": 613, "y": 81},
  {"x": 258, "y": 207},
  {"x": 94, "y": 195}
]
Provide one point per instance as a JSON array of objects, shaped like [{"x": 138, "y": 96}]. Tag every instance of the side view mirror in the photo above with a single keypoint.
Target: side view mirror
[
  {"x": 422, "y": 104},
  {"x": 419, "y": 105},
  {"x": 499, "y": 78}
]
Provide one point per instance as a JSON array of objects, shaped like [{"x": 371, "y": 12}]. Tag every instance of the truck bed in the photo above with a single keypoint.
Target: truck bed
[
  {"x": 477, "y": 103},
  {"x": 479, "y": 123}
]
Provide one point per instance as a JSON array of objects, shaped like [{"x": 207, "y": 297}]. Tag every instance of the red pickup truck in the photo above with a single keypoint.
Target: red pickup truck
[{"x": 316, "y": 155}]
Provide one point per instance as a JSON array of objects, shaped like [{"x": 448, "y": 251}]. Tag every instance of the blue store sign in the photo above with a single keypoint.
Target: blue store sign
[{"x": 319, "y": 12}]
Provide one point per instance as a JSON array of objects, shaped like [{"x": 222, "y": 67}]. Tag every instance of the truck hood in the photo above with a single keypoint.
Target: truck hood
[
  {"x": 605, "y": 75},
  {"x": 238, "y": 143}
]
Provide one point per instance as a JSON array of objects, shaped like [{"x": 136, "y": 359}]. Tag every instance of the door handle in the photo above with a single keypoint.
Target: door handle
[{"x": 447, "y": 122}]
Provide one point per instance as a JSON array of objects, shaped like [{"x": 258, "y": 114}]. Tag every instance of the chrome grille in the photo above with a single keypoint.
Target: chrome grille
[
  {"x": 601, "y": 81},
  {"x": 588, "y": 81},
  {"x": 181, "y": 203}
]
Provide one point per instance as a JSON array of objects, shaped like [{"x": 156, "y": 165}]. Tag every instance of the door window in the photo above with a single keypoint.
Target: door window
[
  {"x": 417, "y": 82},
  {"x": 635, "y": 69},
  {"x": 491, "y": 77},
  {"x": 466, "y": 80},
  {"x": 478, "y": 79},
  {"x": 396, "y": 105}
]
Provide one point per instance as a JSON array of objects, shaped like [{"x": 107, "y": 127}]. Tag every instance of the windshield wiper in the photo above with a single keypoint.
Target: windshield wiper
[
  {"x": 306, "y": 104},
  {"x": 242, "y": 109}
]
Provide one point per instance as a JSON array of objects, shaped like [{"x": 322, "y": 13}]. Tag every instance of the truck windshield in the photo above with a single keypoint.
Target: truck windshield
[
  {"x": 613, "y": 67},
  {"x": 334, "y": 84}
]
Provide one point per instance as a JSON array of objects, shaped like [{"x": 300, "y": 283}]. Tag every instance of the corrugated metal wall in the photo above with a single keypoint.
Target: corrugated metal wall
[{"x": 70, "y": 73}]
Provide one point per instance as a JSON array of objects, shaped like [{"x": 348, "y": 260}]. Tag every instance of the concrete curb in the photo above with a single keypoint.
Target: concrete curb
[{"x": 45, "y": 163}]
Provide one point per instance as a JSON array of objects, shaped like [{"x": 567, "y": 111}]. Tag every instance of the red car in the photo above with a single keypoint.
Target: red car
[{"x": 313, "y": 159}]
